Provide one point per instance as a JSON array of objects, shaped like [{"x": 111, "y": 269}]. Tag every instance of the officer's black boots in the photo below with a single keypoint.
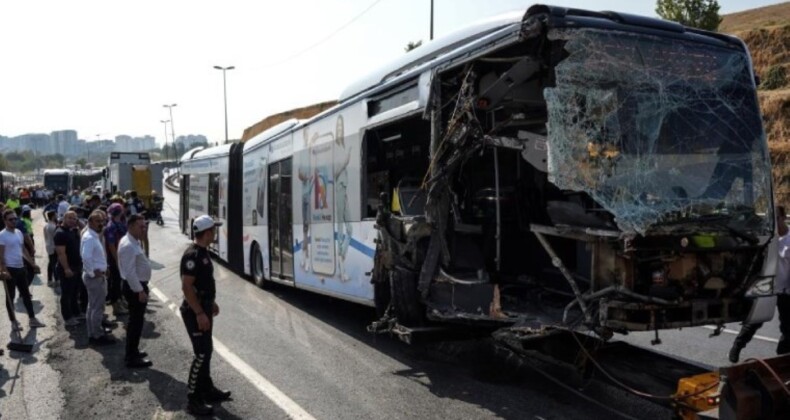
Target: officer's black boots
[
  {"x": 198, "y": 407},
  {"x": 735, "y": 353},
  {"x": 216, "y": 395}
]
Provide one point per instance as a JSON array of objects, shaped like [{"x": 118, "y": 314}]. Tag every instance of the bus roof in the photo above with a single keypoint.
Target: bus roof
[
  {"x": 269, "y": 133},
  {"x": 58, "y": 171},
  {"x": 211, "y": 152},
  {"x": 191, "y": 152},
  {"x": 430, "y": 51}
]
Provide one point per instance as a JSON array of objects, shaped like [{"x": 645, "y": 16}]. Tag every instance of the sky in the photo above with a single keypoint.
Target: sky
[{"x": 106, "y": 68}]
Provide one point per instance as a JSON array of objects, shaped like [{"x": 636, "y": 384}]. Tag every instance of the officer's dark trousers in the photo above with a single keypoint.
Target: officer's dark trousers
[
  {"x": 53, "y": 260},
  {"x": 748, "y": 330},
  {"x": 135, "y": 327},
  {"x": 69, "y": 289},
  {"x": 199, "y": 380},
  {"x": 114, "y": 283},
  {"x": 783, "y": 305},
  {"x": 19, "y": 280}
]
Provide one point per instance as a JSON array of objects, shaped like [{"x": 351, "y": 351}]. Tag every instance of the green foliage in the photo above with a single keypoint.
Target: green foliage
[
  {"x": 775, "y": 78},
  {"x": 82, "y": 162},
  {"x": 702, "y": 14}
]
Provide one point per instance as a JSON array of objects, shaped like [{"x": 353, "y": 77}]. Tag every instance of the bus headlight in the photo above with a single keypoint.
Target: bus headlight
[{"x": 763, "y": 287}]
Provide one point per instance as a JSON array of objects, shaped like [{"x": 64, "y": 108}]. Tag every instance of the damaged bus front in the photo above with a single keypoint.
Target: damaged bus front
[{"x": 587, "y": 170}]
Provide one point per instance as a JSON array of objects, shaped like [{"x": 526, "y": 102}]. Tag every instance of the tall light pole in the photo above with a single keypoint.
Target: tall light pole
[
  {"x": 431, "y": 20},
  {"x": 172, "y": 128},
  {"x": 166, "y": 151},
  {"x": 225, "y": 90}
]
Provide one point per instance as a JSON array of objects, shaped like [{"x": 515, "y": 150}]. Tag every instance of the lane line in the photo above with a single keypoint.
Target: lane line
[
  {"x": 268, "y": 389},
  {"x": 733, "y": 332}
]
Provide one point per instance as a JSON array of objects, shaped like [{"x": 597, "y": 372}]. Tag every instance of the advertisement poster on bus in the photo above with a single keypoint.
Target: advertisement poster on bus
[{"x": 322, "y": 204}]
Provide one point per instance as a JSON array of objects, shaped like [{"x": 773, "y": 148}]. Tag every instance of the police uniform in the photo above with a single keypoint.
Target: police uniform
[{"x": 196, "y": 262}]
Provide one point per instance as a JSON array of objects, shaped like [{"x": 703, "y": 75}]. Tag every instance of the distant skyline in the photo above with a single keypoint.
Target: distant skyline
[{"x": 106, "y": 68}]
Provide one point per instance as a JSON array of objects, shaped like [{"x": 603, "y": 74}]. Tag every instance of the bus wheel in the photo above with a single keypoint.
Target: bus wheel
[
  {"x": 256, "y": 261},
  {"x": 405, "y": 297}
]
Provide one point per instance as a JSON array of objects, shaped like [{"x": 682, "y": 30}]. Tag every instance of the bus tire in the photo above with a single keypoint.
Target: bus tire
[
  {"x": 256, "y": 266},
  {"x": 405, "y": 298}
]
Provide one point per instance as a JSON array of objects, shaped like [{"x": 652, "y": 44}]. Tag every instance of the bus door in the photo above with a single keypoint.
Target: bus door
[
  {"x": 213, "y": 205},
  {"x": 185, "y": 228},
  {"x": 280, "y": 220}
]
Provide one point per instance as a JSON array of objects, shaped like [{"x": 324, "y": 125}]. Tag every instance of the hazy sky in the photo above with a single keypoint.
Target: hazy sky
[{"x": 106, "y": 68}]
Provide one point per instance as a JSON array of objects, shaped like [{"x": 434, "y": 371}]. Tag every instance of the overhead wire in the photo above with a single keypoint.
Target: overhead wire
[{"x": 326, "y": 38}]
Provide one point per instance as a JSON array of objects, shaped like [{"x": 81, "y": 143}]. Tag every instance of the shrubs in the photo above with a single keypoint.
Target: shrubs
[{"x": 775, "y": 77}]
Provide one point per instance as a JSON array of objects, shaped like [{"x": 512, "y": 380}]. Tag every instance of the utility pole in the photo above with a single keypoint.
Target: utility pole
[
  {"x": 225, "y": 94},
  {"x": 167, "y": 152},
  {"x": 172, "y": 128},
  {"x": 431, "y": 20}
]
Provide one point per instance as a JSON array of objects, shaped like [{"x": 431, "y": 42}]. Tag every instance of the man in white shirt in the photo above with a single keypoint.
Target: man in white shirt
[
  {"x": 63, "y": 206},
  {"x": 135, "y": 271},
  {"x": 49, "y": 244},
  {"x": 94, "y": 269},
  {"x": 13, "y": 255}
]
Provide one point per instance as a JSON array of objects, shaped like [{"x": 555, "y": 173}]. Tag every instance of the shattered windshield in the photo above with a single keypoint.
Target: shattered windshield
[{"x": 657, "y": 130}]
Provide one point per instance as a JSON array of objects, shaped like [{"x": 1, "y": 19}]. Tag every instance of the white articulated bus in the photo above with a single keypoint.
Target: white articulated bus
[{"x": 598, "y": 171}]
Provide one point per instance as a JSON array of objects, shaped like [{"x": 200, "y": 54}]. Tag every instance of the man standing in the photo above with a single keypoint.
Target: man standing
[
  {"x": 116, "y": 229},
  {"x": 781, "y": 288},
  {"x": 136, "y": 272},
  {"x": 94, "y": 268},
  {"x": 12, "y": 202},
  {"x": 67, "y": 248},
  {"x": 49, "y": 243},
  {"x": 63, "y": 206},
  {"x": 198, "y": 311},
  {"x": 13, "y": 255}
]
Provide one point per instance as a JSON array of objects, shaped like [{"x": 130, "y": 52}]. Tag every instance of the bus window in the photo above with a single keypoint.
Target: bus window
[{"x": 393, "y": 154}]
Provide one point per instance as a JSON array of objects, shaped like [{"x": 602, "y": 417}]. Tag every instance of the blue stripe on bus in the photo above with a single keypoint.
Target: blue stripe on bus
[{"x": 359, "y": 246}]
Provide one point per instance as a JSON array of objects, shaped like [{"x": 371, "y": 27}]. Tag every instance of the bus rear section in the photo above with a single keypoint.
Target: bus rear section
[
  {"x": 58, "y": 181},
  {"x": 590, "y": 171}
]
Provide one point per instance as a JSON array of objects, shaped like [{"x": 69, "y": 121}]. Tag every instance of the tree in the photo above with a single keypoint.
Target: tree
[
  {"x": 702, "y": 14},
  {"x": 412, "y": 45},
  {"x": 82, "y": 162}
]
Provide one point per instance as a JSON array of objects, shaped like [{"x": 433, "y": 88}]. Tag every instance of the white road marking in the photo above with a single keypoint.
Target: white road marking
[
  {"x": 729, "y": 331},
  {"x": 291, "y": 408}
]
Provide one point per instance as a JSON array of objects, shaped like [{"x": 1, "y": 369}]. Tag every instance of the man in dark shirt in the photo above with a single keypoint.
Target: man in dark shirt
[
  {"x": 198, "y": 311},
  {"x": 69, "y": 268},
  {"x": 116, "y": 229}
]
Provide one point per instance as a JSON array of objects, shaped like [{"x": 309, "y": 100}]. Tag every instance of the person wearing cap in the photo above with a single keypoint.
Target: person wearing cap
[
  {"x": 93, "y": 203},
  {"x": 135, "y": 269},
  {"x": 198, "y": 312},
  {"x": 116, "y": 229}
]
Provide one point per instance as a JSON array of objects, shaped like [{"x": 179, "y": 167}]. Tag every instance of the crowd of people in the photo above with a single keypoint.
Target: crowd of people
[{"x": 97, "y": 255}]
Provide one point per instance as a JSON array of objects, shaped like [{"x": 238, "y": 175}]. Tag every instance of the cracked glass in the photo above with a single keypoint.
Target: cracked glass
[{"x": 660, "y": 132}]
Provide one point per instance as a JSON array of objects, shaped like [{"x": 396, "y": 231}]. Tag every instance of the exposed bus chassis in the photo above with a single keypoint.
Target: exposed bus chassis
[{"x": 500, "y": 244}]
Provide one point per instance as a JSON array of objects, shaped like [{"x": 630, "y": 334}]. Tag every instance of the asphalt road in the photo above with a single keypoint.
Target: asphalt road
[{"x": 288, "y": 353}]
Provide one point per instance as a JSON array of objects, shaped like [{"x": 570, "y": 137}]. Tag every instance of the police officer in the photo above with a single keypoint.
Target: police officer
[{"x": 198, "y": 312}]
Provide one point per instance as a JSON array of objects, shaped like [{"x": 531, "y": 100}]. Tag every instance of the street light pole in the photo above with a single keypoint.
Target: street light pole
[
  {"x": 431, "y": 20},
  {"x": 172, "y": 127},
  {"x": 225, "y": 94},
  {"x": 166, "y": 151}
]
